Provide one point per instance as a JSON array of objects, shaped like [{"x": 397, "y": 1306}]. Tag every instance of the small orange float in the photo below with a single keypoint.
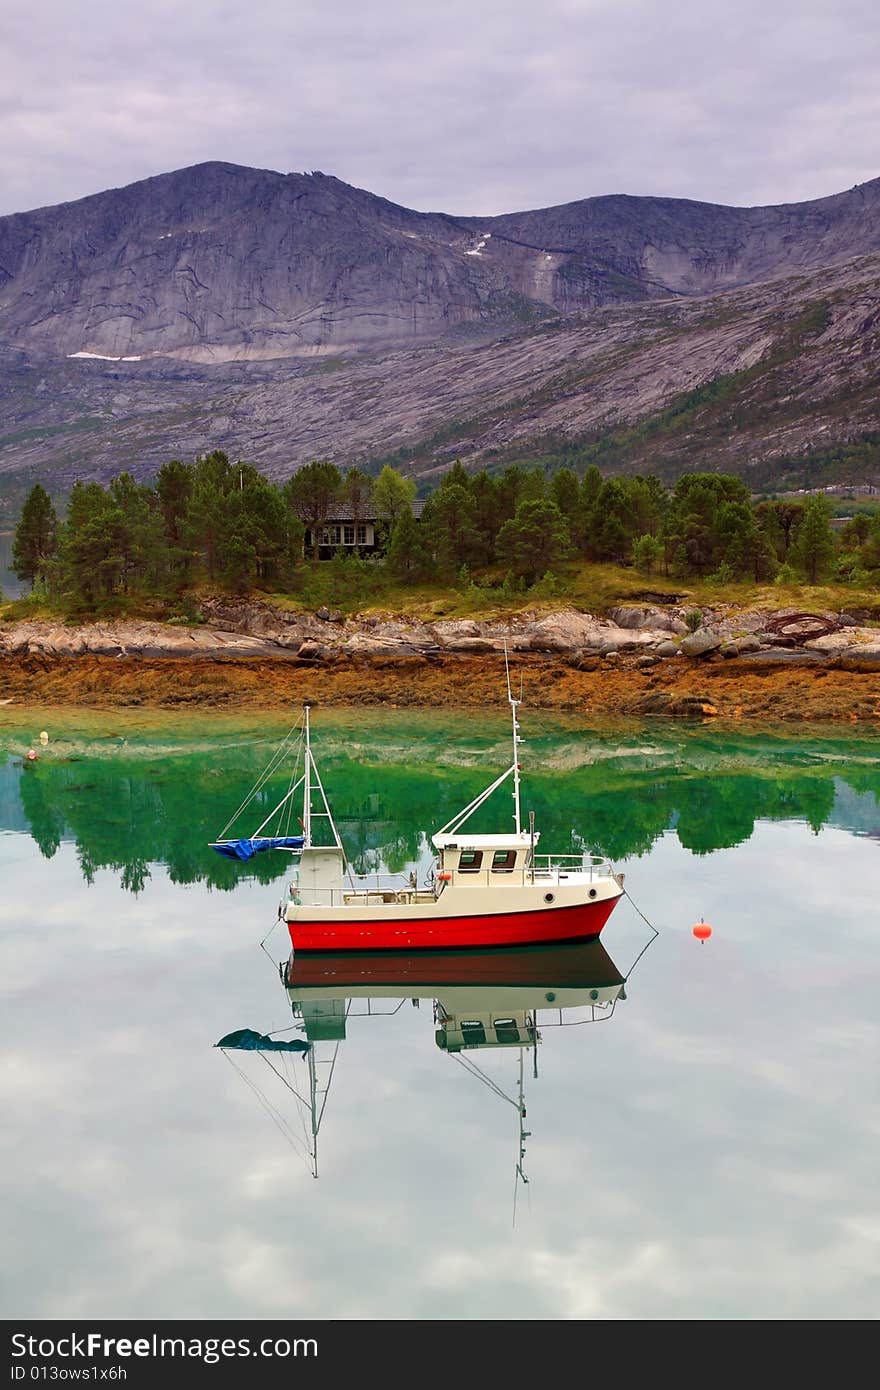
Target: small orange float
[{"x": 702, "y": 931}]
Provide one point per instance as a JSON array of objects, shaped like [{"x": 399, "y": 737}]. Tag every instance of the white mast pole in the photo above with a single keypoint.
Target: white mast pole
[
  {"x": 307, "y": 789},
  {"x": 513, "y": 704}
]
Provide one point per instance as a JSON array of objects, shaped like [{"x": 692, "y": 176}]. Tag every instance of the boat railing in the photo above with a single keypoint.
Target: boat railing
[
  {"x": 360, "y": 895},
  {"x": 596, "y": 865},
  {"x": 549, "y": 870}
]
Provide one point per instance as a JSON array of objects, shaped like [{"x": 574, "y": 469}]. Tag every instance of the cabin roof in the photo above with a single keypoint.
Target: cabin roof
[
  {"x": 366, "y": 515},
  {"x": 464, "y": 840}
]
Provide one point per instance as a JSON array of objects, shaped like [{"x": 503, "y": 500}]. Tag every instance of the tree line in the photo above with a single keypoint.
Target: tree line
[{"x": 223, "y": 524}]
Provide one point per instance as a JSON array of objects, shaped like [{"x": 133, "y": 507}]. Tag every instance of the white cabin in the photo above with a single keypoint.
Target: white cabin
[{"x": 491, "y": 859}]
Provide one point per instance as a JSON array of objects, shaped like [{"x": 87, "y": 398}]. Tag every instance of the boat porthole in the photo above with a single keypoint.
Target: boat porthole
[
  {"x": 550, "y": 997},
  {"x": 592, "y": 892},
  {"x": 548, "y": 898},
  {"x": 594, "y": 994}
]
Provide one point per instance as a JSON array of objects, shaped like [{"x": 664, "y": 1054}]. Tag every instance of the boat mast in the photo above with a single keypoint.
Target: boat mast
[
  {"x": 307, "y": 788},
  {"x": 516, "y": 742}
]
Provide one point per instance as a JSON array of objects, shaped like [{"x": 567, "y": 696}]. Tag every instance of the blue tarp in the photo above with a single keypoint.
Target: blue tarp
[
  {"x": 246, "y": 1040},
  {"x": 246, "y": 849}
]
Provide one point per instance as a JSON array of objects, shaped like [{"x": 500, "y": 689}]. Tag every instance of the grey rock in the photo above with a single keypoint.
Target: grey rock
[
  {"x": 566, "y": 630},
  {"x": 628, "y": 617},
  {"x": 474, "y": 645},
  {"x": 657, "y": 619},
  {"x": 739, "y": 645},
  {"x": 370, "y": 644},
  {"x": 700, "y": 643},
  {"x": 666, "y": 649},
  {"x": 451, "y": 629}
]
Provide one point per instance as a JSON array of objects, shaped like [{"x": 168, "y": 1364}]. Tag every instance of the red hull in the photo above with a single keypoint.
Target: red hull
[
  {"x": 580, "y": 922},
  {"x": 566, "y": 965}
]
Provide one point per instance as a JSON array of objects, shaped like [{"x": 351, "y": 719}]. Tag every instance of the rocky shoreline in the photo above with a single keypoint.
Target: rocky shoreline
[
  {"x": 636, "y": 660},
  {"x": 651, "y": 635}
]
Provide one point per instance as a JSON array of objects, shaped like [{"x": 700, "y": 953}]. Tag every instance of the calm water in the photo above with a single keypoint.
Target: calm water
[{"x": 709, "y": 1150}]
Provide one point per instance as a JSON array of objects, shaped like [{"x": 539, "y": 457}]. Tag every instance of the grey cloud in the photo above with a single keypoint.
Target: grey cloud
[{"x": 454, "y": 107}]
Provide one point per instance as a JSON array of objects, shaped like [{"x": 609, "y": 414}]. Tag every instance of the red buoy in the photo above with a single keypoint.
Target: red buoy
[{"x": 702, "y": 931}]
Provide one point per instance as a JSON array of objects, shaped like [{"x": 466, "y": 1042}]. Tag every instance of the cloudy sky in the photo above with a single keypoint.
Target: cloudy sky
[{"x": 459, "y": 106}]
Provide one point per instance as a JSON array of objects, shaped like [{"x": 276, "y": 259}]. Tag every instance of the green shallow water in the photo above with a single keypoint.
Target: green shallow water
[
  {"x": 145, "y": 790},
  {"x": 709, "y": 1151}
]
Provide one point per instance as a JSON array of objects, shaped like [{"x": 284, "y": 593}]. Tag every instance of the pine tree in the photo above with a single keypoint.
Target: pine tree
[
  {"x": 815, "y": 542},
  {"x": 36, "y": 536},
  {"x": 312, "y": 493},
  {"x": 406, "y": 557},
  {"x": 93, "y": 543},
  {"x": 206, "y": 508},
  {"x": 449, "y": 521},
  {"x": 535, "y": 540}
]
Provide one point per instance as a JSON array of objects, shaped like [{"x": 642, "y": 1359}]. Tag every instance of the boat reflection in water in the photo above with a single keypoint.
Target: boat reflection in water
[{"x": 502, "y": 998}]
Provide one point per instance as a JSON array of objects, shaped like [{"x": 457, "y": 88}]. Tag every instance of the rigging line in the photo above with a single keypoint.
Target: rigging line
[
  {"x": 325, "y": 801},
  {"x": 308, "y": 1139},
  {"x": 286, "y": 797},
  {"x": 283, "y": 1079},
  {"x": 266, "y": 938},
  {"x": 649, "y": 925},
  {"x": 291, "y": 788},
  {"x": 453, "y": 826},
  {"x": 327, "y": 1087},
  {"x": 274, "y": 1114},
  {"x": 300, "y": 1109},
  {"x": 480, "y": 1075},
  {"x": 280, "y": 752}
]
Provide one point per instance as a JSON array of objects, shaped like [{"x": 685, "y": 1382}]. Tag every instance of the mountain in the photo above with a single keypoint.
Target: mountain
[
  {"x": 220, "y": 263},
  {"x": 289, "y": 316}
]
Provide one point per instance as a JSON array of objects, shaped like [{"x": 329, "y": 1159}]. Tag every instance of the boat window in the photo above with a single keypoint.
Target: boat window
[
  {"x": 503, "y": 860},
  {"x": 473, "y": 1031},
  {"x": 506, "y": 1030},
  {"x": 470, "y": 860}
]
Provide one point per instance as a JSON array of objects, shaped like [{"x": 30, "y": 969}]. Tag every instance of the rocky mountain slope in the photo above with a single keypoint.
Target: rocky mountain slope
[
  {"x": 220, "y": 263},
  {"x": 287, "y": 317}
]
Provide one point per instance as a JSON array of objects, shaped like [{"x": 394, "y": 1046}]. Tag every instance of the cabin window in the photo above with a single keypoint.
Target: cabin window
[
  {"x": 503, "y": 860},
  {"x": 473, "y": 1031},
  {"x": 506, "y": 1030},
  {"x": 362, "y": 535},
  {"x": 470, "y": 860},
  {"x": 348, "y": 535},
  {"x": 330, "y": 536}
]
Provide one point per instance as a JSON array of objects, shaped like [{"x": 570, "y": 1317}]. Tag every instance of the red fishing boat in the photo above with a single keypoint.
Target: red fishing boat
[{"x": 484, "y": 890}]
